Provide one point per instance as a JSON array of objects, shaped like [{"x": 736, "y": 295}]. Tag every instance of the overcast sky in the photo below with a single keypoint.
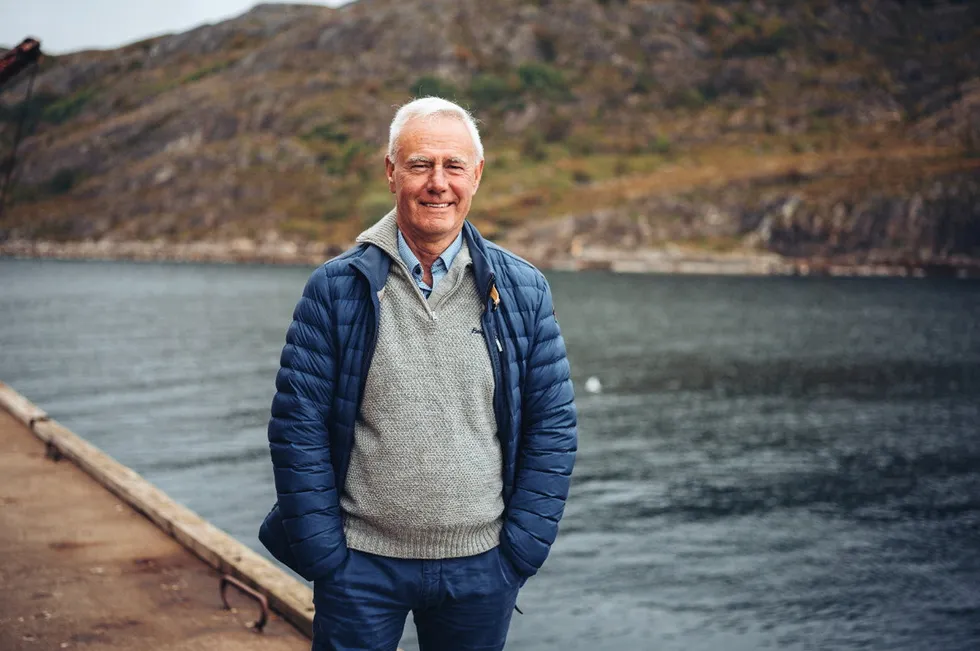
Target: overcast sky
[{"x": 69, "y": 25}]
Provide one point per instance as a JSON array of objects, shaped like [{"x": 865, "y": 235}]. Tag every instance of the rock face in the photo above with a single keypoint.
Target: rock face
[
  {"x": 930, "y": 225},
  {"x": 957, "y": 124},
  {"x": 276, "y": 122},
  {"x": 934, "y": 224}
]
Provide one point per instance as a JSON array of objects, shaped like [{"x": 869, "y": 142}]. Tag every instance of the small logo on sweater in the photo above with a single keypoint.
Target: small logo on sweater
[{"x": 476, "y": 331}]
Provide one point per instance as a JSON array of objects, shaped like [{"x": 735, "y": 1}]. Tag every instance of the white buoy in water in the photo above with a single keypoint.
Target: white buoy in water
[{"x": 593, "y": 385}]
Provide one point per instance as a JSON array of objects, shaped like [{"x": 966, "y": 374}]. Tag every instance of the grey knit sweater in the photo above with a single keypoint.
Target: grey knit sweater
[{"x": 424, "y": 479}]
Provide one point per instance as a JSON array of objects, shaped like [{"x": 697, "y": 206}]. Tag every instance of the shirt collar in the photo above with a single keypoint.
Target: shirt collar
[{"x": 447, "y": 256}]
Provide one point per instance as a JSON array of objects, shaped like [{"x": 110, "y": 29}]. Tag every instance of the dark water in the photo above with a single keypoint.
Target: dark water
[{"x": 772, "y": 463}]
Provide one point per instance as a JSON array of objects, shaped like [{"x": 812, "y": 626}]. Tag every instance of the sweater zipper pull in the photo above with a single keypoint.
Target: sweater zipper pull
[{"x": 500, "y": 348}]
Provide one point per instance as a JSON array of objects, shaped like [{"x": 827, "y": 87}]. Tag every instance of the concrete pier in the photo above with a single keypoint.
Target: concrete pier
[{"x": 83, "y": 567}]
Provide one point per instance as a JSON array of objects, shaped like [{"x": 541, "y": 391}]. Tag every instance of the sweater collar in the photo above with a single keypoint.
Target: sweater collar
[
  {"x": 381, "y": 242},
  {"x": 384, "y": 235}
]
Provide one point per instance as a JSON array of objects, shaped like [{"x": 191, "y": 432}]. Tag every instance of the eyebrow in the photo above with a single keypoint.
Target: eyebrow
[{"x": 419, "y": 158}]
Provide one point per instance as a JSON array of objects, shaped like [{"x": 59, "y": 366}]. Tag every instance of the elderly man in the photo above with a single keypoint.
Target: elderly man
[{"x": 423, "y": 429}]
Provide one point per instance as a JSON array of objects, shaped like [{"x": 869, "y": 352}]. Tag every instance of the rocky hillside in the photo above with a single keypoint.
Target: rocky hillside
[{"x": 825, "y": 132}]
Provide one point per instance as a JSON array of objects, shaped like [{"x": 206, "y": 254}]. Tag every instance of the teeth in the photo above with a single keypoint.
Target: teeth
[{"x": 436, "y": 205}]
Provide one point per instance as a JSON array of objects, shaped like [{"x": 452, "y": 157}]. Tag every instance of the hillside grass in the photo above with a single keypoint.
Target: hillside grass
[{"x": 585, "y": 140}]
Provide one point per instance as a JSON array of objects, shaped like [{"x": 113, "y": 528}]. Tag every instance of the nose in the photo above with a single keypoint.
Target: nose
[{"x": 438, "y": 182}]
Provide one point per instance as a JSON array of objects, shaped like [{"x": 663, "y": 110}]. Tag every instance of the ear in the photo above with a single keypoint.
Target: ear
[
  {"x": 390, "y": 173},
  {"x": 479, "y": 175}
]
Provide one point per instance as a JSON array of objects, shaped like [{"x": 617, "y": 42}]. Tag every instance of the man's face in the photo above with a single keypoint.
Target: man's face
[{"x": 434, "y": 176}]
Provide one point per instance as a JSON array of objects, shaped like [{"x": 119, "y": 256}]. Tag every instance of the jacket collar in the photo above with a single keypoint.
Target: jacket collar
[
  {"x": 374, "y": 264},
  {"x": 482, "y": 269}
]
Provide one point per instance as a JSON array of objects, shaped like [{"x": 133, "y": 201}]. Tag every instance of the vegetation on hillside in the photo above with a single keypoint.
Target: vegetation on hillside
[{"x": 274, "y": 124}]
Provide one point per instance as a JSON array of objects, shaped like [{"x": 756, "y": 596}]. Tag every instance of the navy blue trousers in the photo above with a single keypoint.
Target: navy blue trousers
[{"x": 459, "y": 604}]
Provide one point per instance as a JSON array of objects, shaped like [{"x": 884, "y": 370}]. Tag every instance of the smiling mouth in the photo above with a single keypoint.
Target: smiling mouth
[{"x": 435, "y": 205}]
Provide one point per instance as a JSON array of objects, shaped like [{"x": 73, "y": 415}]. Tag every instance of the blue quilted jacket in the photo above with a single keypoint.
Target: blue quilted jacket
[{"x": 324, "y": 367}]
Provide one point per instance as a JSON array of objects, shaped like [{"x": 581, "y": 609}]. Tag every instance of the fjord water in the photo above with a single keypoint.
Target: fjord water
[{"x": 772, "y": 462}]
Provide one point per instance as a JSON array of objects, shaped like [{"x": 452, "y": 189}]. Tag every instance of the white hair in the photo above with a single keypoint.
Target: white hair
[{"x": 425, "y": 107}]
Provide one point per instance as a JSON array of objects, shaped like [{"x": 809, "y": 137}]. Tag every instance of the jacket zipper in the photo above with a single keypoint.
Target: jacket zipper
[
  {"x": 369, "y": 353},
  {"x": 495, "y": 349},
  {"x": 365, "y": 365}
]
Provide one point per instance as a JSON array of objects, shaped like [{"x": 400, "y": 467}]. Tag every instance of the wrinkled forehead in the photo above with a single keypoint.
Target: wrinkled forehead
[{"x": 436, "y": 137}]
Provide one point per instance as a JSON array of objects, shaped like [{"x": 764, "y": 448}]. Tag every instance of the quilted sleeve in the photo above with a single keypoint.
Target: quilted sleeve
[
  {"x": 547, "y": 449},
  {"x": 298, "y": 438}
]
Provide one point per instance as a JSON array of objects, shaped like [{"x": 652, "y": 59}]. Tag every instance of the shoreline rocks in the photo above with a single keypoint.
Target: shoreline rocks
[{"x": 670, "y": 259}]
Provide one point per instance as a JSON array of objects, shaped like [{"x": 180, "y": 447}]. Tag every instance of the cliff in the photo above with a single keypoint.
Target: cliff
[{"x": 820, "y": 132}]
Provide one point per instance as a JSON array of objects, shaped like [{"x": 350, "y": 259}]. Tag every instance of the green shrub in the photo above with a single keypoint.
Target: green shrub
[
  {"x": 661, "y": 145},
  {"x": 63, "y": 181},
  {"x": 686, "y": 98},
  {"x": 29, "y": 110},
  {"x": 534, "y": 148},
  {"x": 709, "y": 92},
  {"x": 581, "y": 144},
  {"x": 581, "y": 177},
  {"x": 328, "y": 132},
  {"x": 350, "y": 157},
  {"x": 205, "y": 71},
  {"x": 432, "y": 86},
  {"x": 762, "y": 41},
  {"x": 645, "y": 83},
  {"x": 486, "y": 90},
  {"x": 707, "y": 21},
  {"x": 65, "y": 109},
  {"x": 546, "y": 43},
  {"x": 801, "y": 147},
  {"x": 556, "y": 127},
  {"x": 542, "y": 79},
  {"x": 820, "y": 124},
  {"x": 971, "y": 138},
  {"x": 745, "y": 18}
]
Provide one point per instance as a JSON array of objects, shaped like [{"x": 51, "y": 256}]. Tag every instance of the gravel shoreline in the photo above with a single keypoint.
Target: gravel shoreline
[{"x": 666, "y": 260}]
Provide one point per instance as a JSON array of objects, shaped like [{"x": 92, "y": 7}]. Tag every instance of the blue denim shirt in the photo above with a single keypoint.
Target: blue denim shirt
[{"x": 439, "y": 267}]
